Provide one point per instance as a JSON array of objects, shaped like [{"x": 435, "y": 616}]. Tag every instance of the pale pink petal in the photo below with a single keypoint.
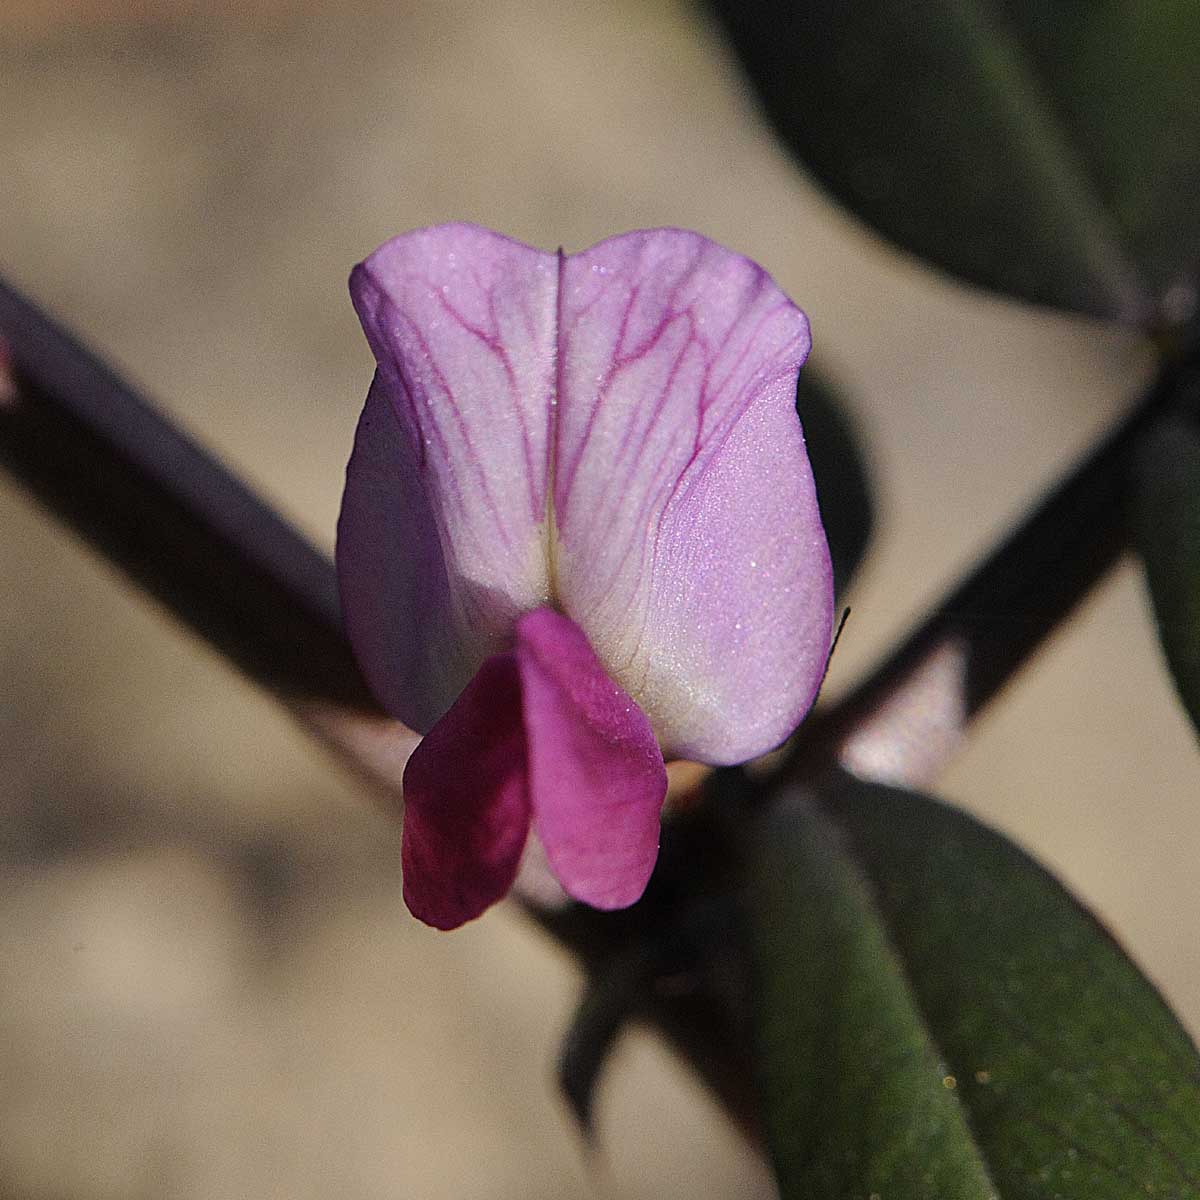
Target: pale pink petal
[
  {"x": 596, "y": 775},
  {"x": 689, "y": 544},
  {"x": 466, "y": 802},
  {"x": 442, "y": 541}
]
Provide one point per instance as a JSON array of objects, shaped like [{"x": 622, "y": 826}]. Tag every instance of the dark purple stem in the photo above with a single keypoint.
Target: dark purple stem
[
  {"x": 169, "y": 515},
  {"x": 164, "y": 511},
  {"x": 903, "y": 721}
]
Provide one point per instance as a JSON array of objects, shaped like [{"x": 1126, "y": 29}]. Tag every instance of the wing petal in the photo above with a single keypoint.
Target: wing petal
[{"x": 596, "y": 775}]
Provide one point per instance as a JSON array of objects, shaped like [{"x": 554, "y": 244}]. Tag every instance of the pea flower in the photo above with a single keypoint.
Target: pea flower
[{"x": 579, "y": 523}]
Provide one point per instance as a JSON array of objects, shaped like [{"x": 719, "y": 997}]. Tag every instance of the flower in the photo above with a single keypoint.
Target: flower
[{"x": 579, "y": 521}]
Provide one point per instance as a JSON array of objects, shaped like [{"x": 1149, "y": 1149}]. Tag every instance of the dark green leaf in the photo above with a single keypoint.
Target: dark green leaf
[
  {"x": 1051, "y": 151},
  {"x": 611, "y": 998},
  {"x": 840, "y": 471},
  {"x": 937, "y": 1017},
  {"x": 1165, "y": 495}
]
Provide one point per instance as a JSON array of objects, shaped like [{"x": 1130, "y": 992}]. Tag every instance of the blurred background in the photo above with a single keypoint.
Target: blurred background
[{"x": 208, "y": 983}]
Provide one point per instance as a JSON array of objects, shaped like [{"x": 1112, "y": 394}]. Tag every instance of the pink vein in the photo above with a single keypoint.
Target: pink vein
[
  {"x": 412, "y": 392},
  {"x": 494, "y": 344}
]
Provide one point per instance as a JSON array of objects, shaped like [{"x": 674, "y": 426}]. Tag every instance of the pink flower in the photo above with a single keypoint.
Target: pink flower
[{"x": 579, "y": 522}]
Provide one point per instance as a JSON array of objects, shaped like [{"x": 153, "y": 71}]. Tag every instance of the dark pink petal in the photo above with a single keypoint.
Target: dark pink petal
[
  {"x": 689, "y": 544},
  {"x": 542, "y": 730},
  {"x": 442, "y": 537},
  {"x": 466, "y": 802},
  {"x": 596, "y": 775}
]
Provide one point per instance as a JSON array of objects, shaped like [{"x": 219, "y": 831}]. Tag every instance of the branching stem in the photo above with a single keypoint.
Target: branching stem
[{"x": 182, "y": 527}]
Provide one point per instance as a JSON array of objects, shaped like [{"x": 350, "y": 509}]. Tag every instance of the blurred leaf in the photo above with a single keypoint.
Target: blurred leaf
[
  {"x": 1051, "y": 151},
  {"x": 840, "y": 471},
  {"x": 1165, "y": 508},
  {"x": 937, "y": 1017},
  {"x": 612, "y": 995}
]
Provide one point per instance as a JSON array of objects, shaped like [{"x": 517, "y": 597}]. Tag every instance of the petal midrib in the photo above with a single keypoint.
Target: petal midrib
[{"x": 551, "y": 523}]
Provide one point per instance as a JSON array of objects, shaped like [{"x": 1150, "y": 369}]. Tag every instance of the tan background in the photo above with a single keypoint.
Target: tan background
[{"x": 208, "y": 985}]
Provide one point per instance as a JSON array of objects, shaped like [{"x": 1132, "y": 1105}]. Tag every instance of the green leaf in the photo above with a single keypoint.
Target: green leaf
[
  {"x": 843, "y": 487},
  {"x": 611, "y": 996},
  {"x": 936, "y": 1017},
  {"x": 1165, "y": 511},
  {"x": 1050, "y": 151}
]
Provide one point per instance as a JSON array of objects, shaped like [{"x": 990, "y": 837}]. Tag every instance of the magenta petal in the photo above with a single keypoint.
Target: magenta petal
[
  {"x": 596, "y": 775},
  {"x": 441, "y": 541},
  {"x": 691, "y": 550},
  {"x": 466, "y": 802}
]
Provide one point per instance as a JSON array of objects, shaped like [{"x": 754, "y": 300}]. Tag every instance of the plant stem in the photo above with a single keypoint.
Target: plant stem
[
  {"x": 904, "y": 721},
  {"x": 181, "y": 526},
  {"x": 170, "y": 516}
]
